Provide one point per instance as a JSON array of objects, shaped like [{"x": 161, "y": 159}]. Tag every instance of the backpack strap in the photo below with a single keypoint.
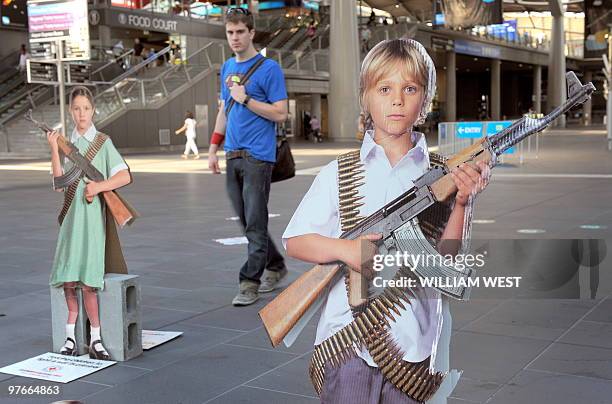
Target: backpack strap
[
  {"x": 244, "y": 81},
  {"x": 92, "y": 151}
]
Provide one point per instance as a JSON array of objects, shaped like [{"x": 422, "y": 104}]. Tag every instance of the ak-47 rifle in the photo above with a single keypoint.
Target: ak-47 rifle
[
  {"x": 397, "y": 221},
  {"x": 119, "y": 208}
]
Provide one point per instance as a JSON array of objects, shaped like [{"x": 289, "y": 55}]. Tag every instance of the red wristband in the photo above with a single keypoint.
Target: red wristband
[{"x": 217, "y": 138}]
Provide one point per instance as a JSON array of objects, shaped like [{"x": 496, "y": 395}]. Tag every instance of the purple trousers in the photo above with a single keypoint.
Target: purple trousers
[{"x": 355, "y": 382}]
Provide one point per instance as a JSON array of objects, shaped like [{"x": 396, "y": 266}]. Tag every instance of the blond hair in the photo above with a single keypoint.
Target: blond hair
[{"x": 386, "y": 57}]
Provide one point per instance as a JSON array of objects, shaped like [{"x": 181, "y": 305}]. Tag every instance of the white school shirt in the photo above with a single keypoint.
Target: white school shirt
[
  {"x": 190, "y": 128},
  {"x": 90, "y": 135},
  {"x": 418, "y": 327}
]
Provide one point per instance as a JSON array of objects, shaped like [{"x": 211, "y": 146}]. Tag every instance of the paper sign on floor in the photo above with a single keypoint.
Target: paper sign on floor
[
  {"x": 151, "y": 339},
  {"x": 232, "y": 240},
  {"x": 56, "y": 368}
]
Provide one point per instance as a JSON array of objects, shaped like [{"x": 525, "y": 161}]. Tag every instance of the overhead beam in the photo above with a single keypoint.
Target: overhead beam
[{"x": 556, "y": 8}]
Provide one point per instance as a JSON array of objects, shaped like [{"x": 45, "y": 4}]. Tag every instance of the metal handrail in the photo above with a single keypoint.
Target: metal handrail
[
  {"x": 114, "y": 88},
  {"x": 112, "y": 61},
  {"x": 19, "y": 111},
  {"x": 140, "y": 65},
  {"x": 20, "y": 97}
]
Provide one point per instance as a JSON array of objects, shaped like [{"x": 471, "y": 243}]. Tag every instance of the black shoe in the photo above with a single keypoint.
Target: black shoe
[
  {"x": 69, "y": 351},
  {"x": 95, "y": 354}
]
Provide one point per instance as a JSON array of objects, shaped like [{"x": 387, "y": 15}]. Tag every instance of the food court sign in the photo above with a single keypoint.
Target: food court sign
[
  {"x": 142, "y": 21},
  {"x": 147, "y": 23}
]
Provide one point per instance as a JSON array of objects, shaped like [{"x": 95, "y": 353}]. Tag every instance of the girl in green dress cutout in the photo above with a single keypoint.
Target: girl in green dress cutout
[{"x": 80, "y": 252}]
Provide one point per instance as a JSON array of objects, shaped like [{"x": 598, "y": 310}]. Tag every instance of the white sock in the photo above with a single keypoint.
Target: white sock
[
  {"x": 70, "y": 334},
  {"x": 94, "y": 332}
]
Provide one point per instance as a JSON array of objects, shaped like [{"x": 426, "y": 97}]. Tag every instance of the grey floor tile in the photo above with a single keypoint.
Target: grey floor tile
[
  {"x": 197, "y": 300},
  {"x": 15, "y": 288},
  {"x": 245, "y": 394},
  {"x": 156, "y": 317},
  {"x": 237, "y": 318},
  {"x": 24, "y": 304},
  {"x": 591, "y": 333},
  {"x": 17, "y": 351},
  {"x": 4, "y": 376},
  {"x": 116, "y": 374},
  {"x": 603, "y": 312},
  {"x": 13, "y": 330},
  {"x": 474, "y": 390},
  {"x": 194, "y": 340},
  {"x": 453, "y": 400},
  {"x": 492, "y": 358},
  {"x": 259, "y": 338},
  {"x": 292, "y": 378},
  {"x": 541, "y": 319},
  {"x": 187, "y": 381},
  {"x": 464, "y": 313},
  {"x": 576, "y": 360},
  {"x": 536, "y": 387},
  {"x": 147, "y": 292}
]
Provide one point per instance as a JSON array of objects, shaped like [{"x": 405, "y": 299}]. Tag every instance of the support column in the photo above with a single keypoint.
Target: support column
[
  {"x": 586, "y": 107},
  {"x": 451, "y": 86},
  {"x": 557, "y": 93},
  {"x": 537, "y": 89},
  {"x": 315, "y": 106},
  {"x": 495, "y": 89},
  {"x": 104, "y": 36},
  {"x": 343, "y": 70}
]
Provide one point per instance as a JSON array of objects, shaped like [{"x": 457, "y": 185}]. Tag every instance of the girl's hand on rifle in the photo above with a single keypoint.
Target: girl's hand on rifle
[
  {"x": 52, "y": 139},
  {"x": 359, "y": 254},
  {"x": 91, "y": 190},
  {"x": 470, "y": 180}
]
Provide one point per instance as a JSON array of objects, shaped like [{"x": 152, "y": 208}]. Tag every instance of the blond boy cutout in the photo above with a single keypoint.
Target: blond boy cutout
[{"x": 406, "y": 55}]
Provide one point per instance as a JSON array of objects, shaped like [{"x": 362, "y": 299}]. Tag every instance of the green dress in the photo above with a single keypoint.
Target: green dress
[{"x": 79, "y": 255}]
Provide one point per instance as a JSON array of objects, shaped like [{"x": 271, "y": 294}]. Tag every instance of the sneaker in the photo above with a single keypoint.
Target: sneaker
[
  {"x": 247, "y": 295},
  {"x": 197, "y": 156},
  {"x": 184, "y": 156},
  {"x": 271, "y": 279}
]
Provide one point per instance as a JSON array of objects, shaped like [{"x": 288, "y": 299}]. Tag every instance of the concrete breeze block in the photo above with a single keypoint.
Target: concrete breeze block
[{"x": 119, "y": 307}]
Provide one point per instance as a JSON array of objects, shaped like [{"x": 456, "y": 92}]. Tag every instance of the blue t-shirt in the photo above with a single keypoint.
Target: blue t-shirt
[{"x": 245, "y": 130}]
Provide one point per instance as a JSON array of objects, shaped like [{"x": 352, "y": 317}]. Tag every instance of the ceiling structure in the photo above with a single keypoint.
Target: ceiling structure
[{"x": 422, "y": 10}]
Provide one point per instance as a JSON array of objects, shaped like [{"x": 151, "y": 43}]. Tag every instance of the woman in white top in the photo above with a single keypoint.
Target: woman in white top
[{"x": 190, "y": 133}]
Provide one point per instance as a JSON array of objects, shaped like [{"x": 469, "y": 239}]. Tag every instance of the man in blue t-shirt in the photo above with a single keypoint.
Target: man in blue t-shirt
[{"x": 249, "y": 130}]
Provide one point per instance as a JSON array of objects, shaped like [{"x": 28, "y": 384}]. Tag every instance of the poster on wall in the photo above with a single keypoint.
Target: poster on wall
[
  {"x": 13, "y": 14},
  {"x": 468, "y": 13},
  {"x": 50, "y": 20}
]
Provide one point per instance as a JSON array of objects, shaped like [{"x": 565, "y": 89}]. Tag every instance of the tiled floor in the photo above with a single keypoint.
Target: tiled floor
[{"x": 511, "y": 349}]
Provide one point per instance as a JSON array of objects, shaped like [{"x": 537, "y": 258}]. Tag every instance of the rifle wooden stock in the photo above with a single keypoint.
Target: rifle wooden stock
[
  {"x": 122, "y": 212},
  {"x": 281, "y": 314}
]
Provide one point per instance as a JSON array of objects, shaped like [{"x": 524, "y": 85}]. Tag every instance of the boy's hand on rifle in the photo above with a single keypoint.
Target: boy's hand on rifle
[
  {"x": 470, "y": 179},
  {"x": 52, "y": 139},
  {"x": 359, "y": 254}
]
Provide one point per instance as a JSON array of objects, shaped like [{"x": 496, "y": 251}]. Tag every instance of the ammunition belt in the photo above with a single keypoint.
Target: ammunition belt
[
  {"x": 349, "y": 179},
  {"x": 370, "y": 327},
  {"x": 92, "y": 150}
]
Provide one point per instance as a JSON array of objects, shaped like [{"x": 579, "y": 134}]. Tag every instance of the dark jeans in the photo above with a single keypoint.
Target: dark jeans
[{"x": 248, "y": 187}]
